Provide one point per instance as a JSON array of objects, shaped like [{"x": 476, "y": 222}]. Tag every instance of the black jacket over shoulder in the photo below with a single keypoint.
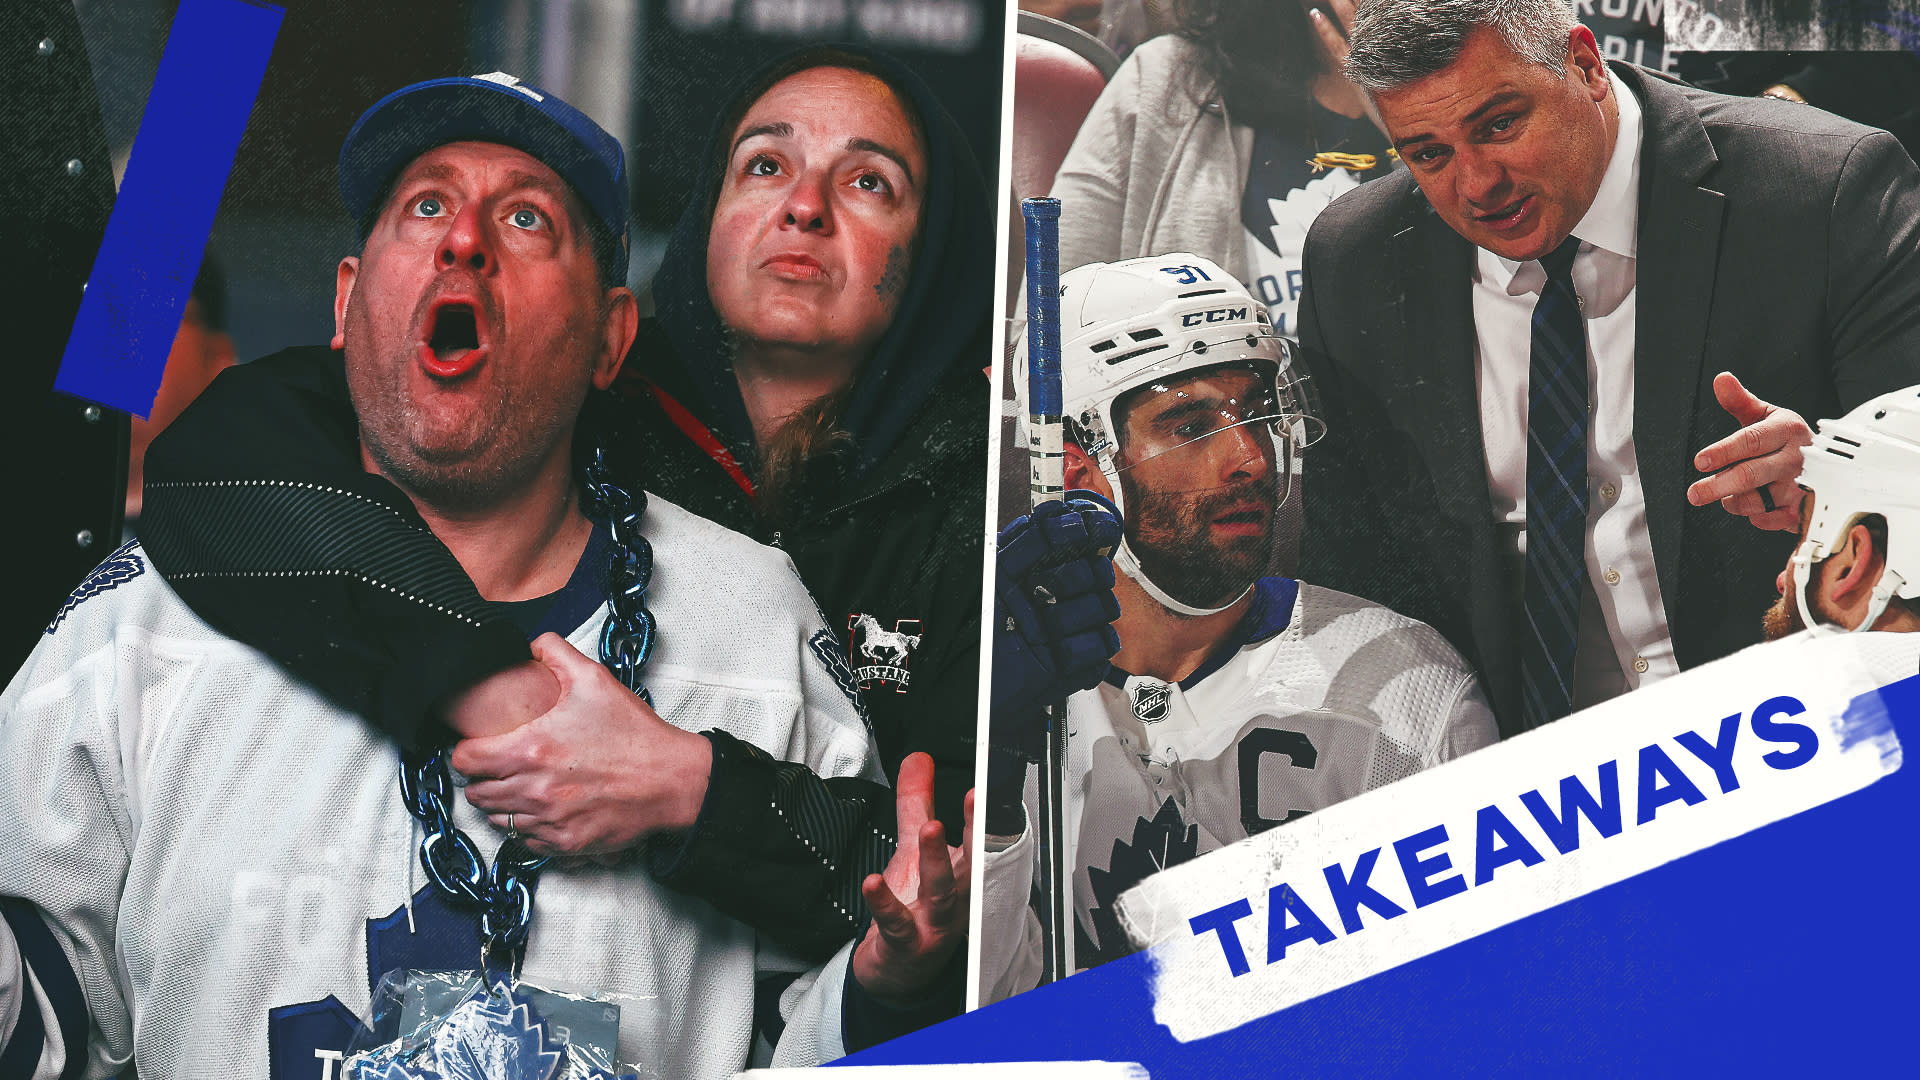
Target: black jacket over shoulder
[{"x": 889, "y": 531}]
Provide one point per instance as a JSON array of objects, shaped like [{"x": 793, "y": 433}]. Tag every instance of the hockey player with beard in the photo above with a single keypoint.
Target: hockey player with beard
[
  {"x": 1857, "y": 566},
  {"x": 1237, "y": 701}
]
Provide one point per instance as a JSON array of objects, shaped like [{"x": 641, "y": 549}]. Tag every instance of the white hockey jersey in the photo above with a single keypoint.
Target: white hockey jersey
[
  {"x": 225, "y": 860},
  {"x": 1317, "y": 697}
]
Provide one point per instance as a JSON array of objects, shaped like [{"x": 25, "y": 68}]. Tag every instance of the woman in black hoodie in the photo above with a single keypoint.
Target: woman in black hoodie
[
  {"x": 875, "y": 488},
  {"x": 875, "y": 483}
]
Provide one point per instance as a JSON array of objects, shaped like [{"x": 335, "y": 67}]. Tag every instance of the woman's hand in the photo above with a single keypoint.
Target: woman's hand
[
  {"x": 920, "y": 905},
  {"x": 595, "y": 773}
]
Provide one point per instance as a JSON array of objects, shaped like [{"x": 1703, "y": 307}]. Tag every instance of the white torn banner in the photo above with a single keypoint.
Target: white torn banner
[{"x": 1516, "y": 828}]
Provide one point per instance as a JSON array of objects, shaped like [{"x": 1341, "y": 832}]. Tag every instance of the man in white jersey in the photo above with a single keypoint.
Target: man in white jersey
[
  {"x": 1237, "y": 701},
  {"x": 208, "y": 866},
  {"x": 1857, "y": 566}
]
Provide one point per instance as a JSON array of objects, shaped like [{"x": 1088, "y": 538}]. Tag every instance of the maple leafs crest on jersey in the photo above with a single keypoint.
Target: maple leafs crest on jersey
[
  {"x": 1318, "y": 697},
  {"x": 1166, "y": 840},
  {"x": 515, "y": 1044},
  {"x": 827, "y": 651},
  {"x": 307, "y": 1041},
  {"x": 116, "y": 569}
]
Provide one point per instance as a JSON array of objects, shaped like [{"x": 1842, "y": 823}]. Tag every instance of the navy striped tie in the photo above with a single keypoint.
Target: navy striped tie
[{"x": 1556, "y": 570}]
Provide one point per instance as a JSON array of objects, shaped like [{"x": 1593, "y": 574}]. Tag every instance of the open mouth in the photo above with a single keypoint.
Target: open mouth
[
  {"x": 1507, "y": 216},
  {"x": 453, "y": 346}
]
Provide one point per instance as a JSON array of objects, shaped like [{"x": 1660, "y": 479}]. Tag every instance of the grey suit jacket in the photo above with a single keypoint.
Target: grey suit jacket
[{"x": 1776, "y": 241}]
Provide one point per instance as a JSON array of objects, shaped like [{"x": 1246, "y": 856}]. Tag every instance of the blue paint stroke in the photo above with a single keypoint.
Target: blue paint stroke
[
  {"x": 1908, "y": 36},
  {"x": 1869, "y": 717},
  {"x": 202, "y": 95},
  {"x": 1731, "y": 961}
]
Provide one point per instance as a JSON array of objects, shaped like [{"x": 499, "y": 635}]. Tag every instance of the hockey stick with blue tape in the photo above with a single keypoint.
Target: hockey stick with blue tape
[{"x": 1047, "y": 481}]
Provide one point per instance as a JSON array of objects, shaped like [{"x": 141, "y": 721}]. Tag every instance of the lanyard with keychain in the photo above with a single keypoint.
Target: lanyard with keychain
[{"x": 487, "y": 1024}]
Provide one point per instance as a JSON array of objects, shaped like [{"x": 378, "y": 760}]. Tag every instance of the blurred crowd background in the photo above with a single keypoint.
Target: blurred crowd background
[
  {"x": 1866, "y": 68},
  {"x": 652, "y": 72}
]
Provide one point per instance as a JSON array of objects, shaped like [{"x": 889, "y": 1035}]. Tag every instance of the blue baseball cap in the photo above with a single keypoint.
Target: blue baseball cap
[{"x": 495, "y": 108}]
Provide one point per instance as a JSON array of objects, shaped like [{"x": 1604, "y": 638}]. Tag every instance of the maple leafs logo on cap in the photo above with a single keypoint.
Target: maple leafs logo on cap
[{"x": 501, "y": 78}]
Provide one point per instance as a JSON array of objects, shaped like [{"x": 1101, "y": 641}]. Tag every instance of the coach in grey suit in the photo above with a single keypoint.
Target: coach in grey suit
[{"x": 1761, "y": 238}]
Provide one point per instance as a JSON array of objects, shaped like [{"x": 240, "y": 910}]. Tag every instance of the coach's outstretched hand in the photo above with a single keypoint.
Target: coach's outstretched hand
[
  {"x": 1053, "y": 603},
  {"x": 1754, "y": 468},
  {"x": 920, "y": 905},
  {"x": 593, "y": 774}
]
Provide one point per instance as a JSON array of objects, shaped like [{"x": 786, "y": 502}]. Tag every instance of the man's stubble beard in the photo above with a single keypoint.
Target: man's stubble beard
[
  {"x": 1782, "y": 619},
  {"x": 1170, "y": 537},
  {"x": 497, "y": 450},
  {"x": 452, "y": 477}
]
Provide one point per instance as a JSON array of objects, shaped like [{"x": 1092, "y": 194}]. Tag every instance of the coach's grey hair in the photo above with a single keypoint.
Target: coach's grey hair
[{"x": 1396, "y": 42}]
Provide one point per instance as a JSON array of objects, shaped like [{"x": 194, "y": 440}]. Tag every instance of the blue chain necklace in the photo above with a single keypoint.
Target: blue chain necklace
[{"x": 503, "y": 895}]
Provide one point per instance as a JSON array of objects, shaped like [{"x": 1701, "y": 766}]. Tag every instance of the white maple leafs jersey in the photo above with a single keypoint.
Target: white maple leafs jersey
[
  {"x": 225, "y": 861},
  {"x": 1275, "y": 266},
  {"x": 1318, "y": 697},
  {"x": 1321, "y": 697}
]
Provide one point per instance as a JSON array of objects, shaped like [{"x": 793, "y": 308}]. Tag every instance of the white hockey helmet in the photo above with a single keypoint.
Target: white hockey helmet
[
  {"x": 1866, "y": 462},
  {"x": 1130, "y": 325}
]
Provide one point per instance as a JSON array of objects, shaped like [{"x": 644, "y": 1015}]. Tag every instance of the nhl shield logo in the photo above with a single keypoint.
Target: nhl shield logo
[
  {"x": 880, "y": 655},
  {"x": 1150, "y": 701}
]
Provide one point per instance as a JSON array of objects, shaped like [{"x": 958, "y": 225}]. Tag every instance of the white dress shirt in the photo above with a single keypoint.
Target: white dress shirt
[{"x": 1624, "y": 642}]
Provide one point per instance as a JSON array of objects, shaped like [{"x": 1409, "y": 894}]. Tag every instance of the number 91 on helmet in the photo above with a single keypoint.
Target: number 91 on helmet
[{"x": 1161, "y": 355}]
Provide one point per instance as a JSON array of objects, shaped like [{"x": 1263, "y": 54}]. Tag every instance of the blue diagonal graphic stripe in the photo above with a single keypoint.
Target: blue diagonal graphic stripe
[
  {"x": 208, "y": 78},
  {"x": 1665, "y": 955}
]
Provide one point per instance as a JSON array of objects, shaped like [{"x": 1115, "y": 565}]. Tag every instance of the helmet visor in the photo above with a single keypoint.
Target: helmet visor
[{"x": 1197, "y": 425}]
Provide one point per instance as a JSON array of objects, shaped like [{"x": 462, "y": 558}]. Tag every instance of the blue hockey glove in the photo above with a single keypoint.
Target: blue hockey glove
[
  {"x": 1053, "y": 635},
  {"x": 1053, "y": 605}
]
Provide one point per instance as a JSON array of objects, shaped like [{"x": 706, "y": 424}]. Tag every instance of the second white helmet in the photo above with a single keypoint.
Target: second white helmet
[{"x": 1866, "y": 462}]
